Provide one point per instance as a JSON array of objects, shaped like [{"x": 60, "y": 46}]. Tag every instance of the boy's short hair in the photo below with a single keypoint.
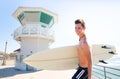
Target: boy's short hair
[{"x": 80, "y": 21}]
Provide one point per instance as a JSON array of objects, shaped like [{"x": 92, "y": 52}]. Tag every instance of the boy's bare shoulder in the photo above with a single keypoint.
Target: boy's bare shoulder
[{"x": 84, "y": 45}]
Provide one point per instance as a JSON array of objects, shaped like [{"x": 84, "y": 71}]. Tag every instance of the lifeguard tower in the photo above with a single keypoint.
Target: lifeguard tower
[{"x": 34, "y": 34}]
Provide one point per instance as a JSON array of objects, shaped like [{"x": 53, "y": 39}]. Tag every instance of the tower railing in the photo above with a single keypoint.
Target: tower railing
[
  {"x": 34, "y": 31},
  {"x": 103, "y": 72}
]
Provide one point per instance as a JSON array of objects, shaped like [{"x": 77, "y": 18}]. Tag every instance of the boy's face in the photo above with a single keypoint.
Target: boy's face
[{"x": 78, "y": 29}]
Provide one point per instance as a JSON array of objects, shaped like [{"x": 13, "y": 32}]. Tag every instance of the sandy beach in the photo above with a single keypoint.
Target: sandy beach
[{"x": 10, "y": 72}]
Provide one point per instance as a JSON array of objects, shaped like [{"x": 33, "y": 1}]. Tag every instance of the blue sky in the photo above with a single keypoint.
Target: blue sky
[{"x": 101, "y": 17}]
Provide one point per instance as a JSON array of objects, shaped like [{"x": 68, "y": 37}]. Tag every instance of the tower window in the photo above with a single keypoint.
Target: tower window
[
  {"x": 45, "y": 18},
  {"x": 43, "y": 26}
]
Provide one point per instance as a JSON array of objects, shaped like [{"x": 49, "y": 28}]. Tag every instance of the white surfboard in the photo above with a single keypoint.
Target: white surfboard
[{"x": 64, "y": 58}]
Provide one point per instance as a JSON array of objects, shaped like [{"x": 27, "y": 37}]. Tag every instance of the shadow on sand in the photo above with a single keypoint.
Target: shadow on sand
[{"x": 12, "y": 71}]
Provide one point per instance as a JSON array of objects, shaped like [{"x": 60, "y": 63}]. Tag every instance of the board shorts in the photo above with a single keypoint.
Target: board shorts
[{"x": 81, "y": 73}]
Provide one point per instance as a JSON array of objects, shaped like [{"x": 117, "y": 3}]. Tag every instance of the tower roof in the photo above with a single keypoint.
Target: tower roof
[{"x": 35, "y": 9}]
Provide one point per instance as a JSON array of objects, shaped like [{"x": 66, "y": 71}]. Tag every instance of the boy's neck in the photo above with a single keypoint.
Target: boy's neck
[{"x": 81, "y": 35}]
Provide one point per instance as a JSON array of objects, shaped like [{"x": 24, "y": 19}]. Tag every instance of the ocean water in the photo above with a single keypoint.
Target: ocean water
[{"x": 108, "y": 71}]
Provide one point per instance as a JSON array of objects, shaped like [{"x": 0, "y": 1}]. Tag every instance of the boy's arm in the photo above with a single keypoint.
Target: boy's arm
[{"x": 89, "y": 65}]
